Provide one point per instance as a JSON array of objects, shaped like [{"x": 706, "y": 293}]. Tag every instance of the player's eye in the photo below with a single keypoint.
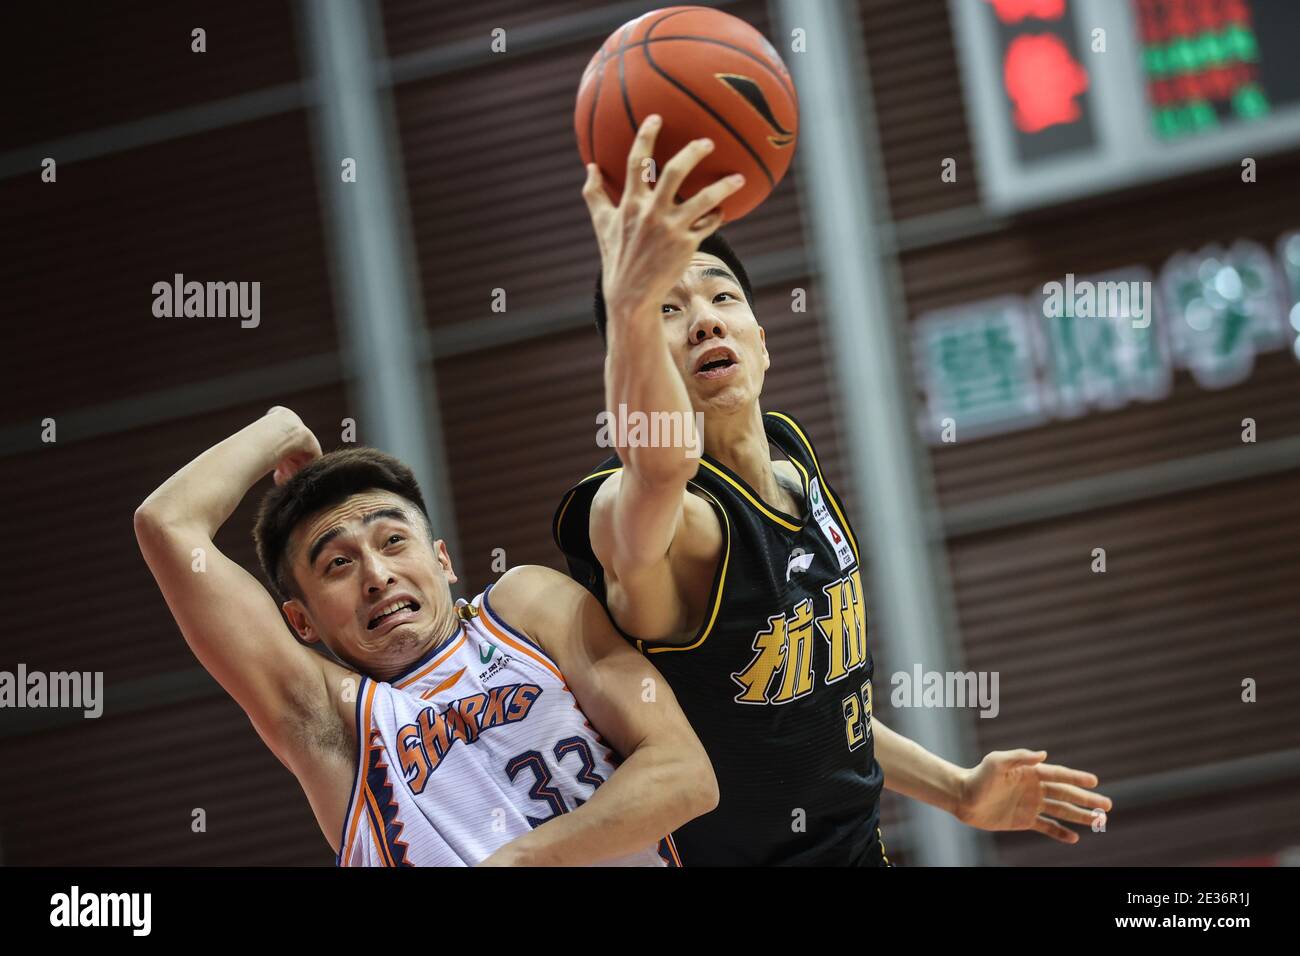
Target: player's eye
[
  {"x": 668, "y": 305},
  {"x": 393, "y": 537},
  {"x": 723, "y": 293},
  {"x": 337, "y": 557}
]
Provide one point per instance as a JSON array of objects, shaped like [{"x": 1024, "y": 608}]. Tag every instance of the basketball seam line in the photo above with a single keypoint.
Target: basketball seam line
[
  {"x": 622, "y": 82},
  {"x": 591, "y": 115},
  {"x": 605, "y": 58},
  {"x": 708, "y": 109}
]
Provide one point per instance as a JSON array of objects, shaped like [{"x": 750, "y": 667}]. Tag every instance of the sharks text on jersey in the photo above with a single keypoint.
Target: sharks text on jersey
[{"x": 423, "y": 744}]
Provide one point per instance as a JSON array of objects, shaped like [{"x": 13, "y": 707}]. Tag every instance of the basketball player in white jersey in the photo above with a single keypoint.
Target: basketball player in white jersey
[{"x": 515, "y": 729}]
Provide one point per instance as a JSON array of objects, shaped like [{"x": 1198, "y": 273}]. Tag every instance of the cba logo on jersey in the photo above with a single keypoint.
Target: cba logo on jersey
[{"x": 781, "y": 669}]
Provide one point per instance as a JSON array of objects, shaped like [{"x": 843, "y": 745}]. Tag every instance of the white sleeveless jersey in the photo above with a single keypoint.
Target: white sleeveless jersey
[{"x": 477, "y": 744}]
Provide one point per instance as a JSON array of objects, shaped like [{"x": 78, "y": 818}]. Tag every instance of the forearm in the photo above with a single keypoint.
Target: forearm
[
  {"x": 205, "y": 492},
  {"x": 651, "y": 794},
  {"x": 640, "y": 377},
  {"x": 913, "y": 771}
]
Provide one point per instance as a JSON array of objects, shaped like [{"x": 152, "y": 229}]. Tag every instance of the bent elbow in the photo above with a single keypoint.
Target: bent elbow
[
  {"x": 145, "y": 522},
  {"x": 701, "y": 786},
  {"x": 710, "y": 795},
  {"x": 152, "y": 526},
  {"x": 660, "y": 468}
]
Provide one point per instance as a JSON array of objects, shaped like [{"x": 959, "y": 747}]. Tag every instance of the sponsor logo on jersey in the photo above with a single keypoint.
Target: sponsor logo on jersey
[
  {"x": 423, "y": 745},
  {"x": 495, "y": 667},
  {"x": 484, "y": 658},
  {"x": 833, "y": 532},
  {"x": 799, "y": 560}
]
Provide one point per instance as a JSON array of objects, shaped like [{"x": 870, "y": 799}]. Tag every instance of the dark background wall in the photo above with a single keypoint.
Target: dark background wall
[{"x": 171, "y": 161}]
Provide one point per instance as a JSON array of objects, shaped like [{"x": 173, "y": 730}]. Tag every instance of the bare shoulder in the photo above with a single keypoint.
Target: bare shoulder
[
  {"x": 547, "y": 606},
  {"x": 529, "y": 595},
  {"x": 607, "y": 492},
  {"x": 702, "y": 530}
]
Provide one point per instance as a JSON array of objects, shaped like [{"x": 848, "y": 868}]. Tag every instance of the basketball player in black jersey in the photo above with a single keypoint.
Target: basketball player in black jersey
[{"x": 738, "y": 573}]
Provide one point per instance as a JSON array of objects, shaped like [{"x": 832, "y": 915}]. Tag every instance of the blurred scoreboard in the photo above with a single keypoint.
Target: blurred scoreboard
[{"x": 1070, "y": 98}]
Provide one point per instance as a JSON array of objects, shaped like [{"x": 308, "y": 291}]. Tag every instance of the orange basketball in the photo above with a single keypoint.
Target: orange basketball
[{"x": 706, "y": 73}]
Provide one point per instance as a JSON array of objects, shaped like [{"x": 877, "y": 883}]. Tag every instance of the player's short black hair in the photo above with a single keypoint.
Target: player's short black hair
[
  {"x": 714, "y": 245},
  {"x": 323, "y": 483}
]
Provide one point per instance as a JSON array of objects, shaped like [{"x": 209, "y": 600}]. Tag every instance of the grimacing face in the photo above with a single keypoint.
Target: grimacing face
[
  {"x": 352, "y": 562},
  {"x": 718, "y": 346}
]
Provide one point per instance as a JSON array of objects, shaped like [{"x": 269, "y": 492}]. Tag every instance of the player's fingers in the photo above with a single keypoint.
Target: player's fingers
[
  {"x": 643, "y": 148},
  {"x": 1066, "y": 811},
  {"x": 1022, "y": 757},
  {"x": 593, "y": 191},
  {"x": 709, "y": 197},
  {"x": 1084, "y": 798},
  {"x": 706, "y": 225},
  {"x": 680, "y": 166},
  {"x": 1059, "y": 774},
  {"x": 1049, "y": 827}
]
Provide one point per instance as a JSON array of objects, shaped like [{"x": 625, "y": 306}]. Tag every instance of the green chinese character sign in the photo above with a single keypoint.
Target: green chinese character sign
[{"x": 976, "y": 364}]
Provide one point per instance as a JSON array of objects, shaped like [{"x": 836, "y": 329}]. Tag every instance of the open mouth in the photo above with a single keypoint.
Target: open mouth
[
  {"x": 715, "y": 363},
  {"x": 389, "y": 611}
]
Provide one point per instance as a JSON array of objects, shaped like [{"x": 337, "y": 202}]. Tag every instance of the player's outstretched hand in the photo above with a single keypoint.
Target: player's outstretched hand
[
  {"x": 1015, "y": 790},
  {"x": 647, "y": 240}
]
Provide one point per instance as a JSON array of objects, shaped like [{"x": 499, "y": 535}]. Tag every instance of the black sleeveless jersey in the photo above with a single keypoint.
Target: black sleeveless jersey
[{"x": 777, "y": 681}]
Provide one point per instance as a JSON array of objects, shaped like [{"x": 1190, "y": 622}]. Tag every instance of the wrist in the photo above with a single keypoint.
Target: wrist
[
  {"x": 959, "y": 790},
  {"x": 282, "y": 434},
  {"x": 514, "y": 853},
  {"x": 625, "y": 309}
]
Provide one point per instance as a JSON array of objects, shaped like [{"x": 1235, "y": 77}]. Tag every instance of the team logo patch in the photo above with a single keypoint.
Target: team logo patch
[{"x": 799, "y": 561}]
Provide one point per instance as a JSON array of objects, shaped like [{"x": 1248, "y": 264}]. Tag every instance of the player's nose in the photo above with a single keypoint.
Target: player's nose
[
  {"x": 375, "y": 574},
  {"x": 706, "y": 324}
]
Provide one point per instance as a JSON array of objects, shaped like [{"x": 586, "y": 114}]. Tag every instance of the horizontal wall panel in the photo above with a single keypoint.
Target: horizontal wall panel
[
  {"x": 94, "y": 65},
  {"x": 917, "y": 94},
  {"x": 1235, "y": 826},
  {"x": 1143, "y": 231},
  {"x": 234, "y": 205},
  {"x": 1139, "y": 670},
  {"x": 79, "y": 548},
  {"x": 1191, "y": 421},
  {"x": 125, "y": 788},
  {"x": 414, "y": 25}
]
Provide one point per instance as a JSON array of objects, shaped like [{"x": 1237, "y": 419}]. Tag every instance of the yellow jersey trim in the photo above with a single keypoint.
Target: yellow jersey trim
[
  {"x": 768, "y": 513},
  {"x": 707, "y": 628},
  {"x": 826, "y": 491}
]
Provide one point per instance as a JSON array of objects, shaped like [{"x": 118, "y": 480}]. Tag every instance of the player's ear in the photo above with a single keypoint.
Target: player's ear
[
  {"x": 444, "y": 560},
  {"x": 762, "y": 340},
  {"x": 297, "y": 615}
]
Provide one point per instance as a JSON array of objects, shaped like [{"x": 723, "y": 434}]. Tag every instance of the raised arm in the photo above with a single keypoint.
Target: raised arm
[
  {"x": 666, "y": 778},
  {"x": 226, "y": 616},
  {"x": 646, "y": 244}
]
